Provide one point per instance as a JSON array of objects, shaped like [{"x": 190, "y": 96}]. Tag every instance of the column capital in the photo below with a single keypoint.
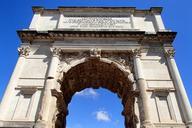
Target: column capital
[
  {"x": 169, "y": 52},
  {"x": 24, "y": 51},
  {"x": 56, "y": 52},
  {"x": 136, "y": 52}
]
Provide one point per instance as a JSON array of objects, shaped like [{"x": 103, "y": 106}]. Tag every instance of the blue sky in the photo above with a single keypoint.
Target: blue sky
[{"x": 17, "y": 14}]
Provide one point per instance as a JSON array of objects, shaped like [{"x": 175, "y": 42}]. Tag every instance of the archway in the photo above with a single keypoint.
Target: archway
[
  {"x": 95, "y": 73},
  {"x": 95, "y": 108}
]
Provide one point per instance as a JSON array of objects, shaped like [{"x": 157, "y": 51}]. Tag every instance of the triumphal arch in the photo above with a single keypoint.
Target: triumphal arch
[{"x": 123, "y": 49}]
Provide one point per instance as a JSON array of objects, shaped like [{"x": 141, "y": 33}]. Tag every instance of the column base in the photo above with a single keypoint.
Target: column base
[
  {"x": 147, "y": 124},
  {"x": 16, "y": 124},
  {"x": 42, "y": 124}
]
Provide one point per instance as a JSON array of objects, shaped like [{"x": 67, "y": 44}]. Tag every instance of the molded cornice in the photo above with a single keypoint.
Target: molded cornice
[
  {"x": 152, "y": 10},
  {"x": 56, "y": 35}
]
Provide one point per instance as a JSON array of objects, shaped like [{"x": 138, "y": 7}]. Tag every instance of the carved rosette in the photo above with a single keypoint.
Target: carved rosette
[
  {"x": 170, "y": 53},
  {"x": 24, "y": 51},
  {"x": 56, "y": 52}
]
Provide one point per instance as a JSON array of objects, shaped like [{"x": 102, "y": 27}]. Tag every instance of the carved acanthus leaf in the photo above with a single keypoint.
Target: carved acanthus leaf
[
  {"x": 56, "y": 51},
  {"x": 24, "y": 51},
  {"x": 170, "y": 52},
  {"x": 136, "y": 52}
]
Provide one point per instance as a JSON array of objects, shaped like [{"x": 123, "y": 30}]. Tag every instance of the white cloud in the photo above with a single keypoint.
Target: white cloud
[
  {"x": 103, "y": 116},
  {"x": 87, "y": 93}
]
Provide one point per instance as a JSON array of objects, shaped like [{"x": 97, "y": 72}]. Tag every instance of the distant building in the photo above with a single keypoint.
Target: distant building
[{"x": 123, "y": 49}]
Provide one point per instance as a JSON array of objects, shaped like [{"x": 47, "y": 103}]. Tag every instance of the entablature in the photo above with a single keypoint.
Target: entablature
[{"x": 59, "y": 35}]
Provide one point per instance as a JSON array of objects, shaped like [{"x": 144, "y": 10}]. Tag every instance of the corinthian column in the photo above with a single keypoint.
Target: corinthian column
[
  {"x": 142, "y": 88},
  {"x": 182, "y": 95},
  {"x": 6, "y": 101},
  {"x": 45, "y": 109}
]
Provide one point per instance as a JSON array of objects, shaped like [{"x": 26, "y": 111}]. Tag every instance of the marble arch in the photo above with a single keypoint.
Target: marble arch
[
  {"x": 95, "y": 73},
  {"x": 134, "y": 42}
]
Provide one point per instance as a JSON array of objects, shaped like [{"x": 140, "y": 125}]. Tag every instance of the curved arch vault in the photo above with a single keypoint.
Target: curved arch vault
[{"x": 96, "y": 73}]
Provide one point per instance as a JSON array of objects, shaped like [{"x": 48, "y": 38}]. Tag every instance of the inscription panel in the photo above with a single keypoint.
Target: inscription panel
[{"x": 95, "y": 23}]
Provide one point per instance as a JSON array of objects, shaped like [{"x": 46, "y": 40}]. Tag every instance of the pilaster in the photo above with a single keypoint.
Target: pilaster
[
  {"x": 43, "y": 119},
  {"x": 6, "y": 100}
]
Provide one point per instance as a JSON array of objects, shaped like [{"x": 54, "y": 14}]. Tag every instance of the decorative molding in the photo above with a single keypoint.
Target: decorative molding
[
  {"x": 156, "y": 10},
  {"x": 140, "y": 36},
  {"x": 24, "y": 51},
  {"x": 161, "y": 89}
]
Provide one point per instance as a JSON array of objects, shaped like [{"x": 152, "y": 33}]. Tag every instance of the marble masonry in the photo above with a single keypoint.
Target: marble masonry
[{"x": 123, "y": 49}]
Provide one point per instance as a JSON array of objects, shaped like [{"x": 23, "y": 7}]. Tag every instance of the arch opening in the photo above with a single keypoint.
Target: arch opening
[
  {"x": 95, "y": 108},
  {"x": 95, "y": 74}
]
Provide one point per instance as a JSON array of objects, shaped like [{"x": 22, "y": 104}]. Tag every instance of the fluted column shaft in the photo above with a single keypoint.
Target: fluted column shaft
[
  {"x": 182, "y": 95},
  {"x": 141, "y": 82},
  {"x": 6, "y": 100},
  {"x": 50, "y": 84}
]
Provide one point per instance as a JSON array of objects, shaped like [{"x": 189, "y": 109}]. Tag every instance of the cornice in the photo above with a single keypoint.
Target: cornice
[
  {"x": 58, "y": 35},
  {"x": 152, "y": 10}
]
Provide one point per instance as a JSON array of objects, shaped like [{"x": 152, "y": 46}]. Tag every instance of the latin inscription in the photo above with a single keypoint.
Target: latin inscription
[{"x": 95, "y": 23}]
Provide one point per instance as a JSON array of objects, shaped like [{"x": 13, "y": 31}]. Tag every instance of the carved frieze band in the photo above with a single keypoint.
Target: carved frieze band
[
  {"x": 61, "y": 35},
  {"x": 24, "y": 51}
]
